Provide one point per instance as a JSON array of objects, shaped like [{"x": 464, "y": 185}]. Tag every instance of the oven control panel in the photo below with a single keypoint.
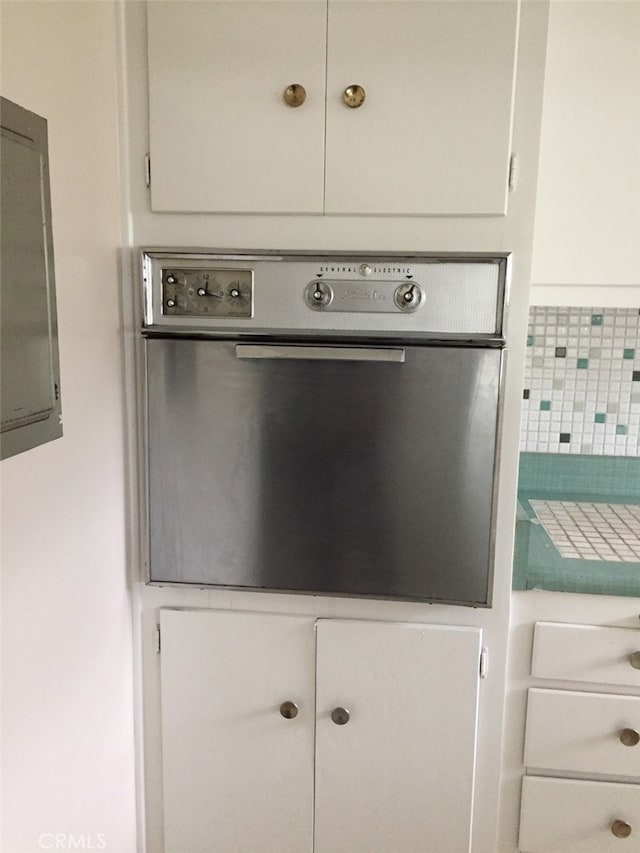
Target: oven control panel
[
  {"x": 207, "y": 292},
  {"x": 348, "y": 295},
  {"x": 422, "y": 296}
]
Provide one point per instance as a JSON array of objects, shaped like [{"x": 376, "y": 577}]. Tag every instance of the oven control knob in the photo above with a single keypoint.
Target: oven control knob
[
  {"x": 409, "y": 296},
  {"x": 318, "y": 295}
]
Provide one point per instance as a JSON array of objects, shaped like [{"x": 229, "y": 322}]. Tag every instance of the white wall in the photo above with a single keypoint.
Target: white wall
[
  {"x": 67, "y": 675},
  {"x": 586, "y": 249}
]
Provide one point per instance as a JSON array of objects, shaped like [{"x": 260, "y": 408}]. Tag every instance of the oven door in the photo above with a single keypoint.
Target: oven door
[{"x": 345, "y": 470}]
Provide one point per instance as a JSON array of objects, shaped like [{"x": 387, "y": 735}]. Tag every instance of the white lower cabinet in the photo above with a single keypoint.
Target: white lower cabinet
[
  {"x": 572, "y": 816},
  {"x": 374, "y": 752},
  {"x": 579, "y": 733}
]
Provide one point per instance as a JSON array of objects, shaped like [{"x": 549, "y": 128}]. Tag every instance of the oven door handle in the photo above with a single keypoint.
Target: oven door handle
[{"x": 320, "y": 353}]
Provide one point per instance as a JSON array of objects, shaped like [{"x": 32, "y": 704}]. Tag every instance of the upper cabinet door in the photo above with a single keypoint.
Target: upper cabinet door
[
  {"x": 222, "y": 137},
  {"x": 433, "y": 133},
  {"x": 397, "y": 774}
]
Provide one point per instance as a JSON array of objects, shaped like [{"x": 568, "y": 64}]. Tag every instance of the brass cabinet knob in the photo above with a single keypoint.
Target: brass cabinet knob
[
  {"x": 629, "y": 737},
  {"x": 634, "y": 660},
  {"x": 621, "y": 829},
  {"x": 289, "y": 710},
  {"x": 340, "y": 716},
  {"x": 295, "y": 95},
  {"x": 353, "y": 96}
]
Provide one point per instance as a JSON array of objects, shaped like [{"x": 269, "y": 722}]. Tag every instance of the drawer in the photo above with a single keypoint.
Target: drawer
[
  {"x": 586, "y": 653},
  {"x": 583, "y": 732},
  {"x": 568, "y": 816}
]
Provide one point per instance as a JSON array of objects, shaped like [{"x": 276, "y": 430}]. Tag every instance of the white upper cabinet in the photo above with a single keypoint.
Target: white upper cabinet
[
  {"x": 432, "y": 135},
  {"x": 222, "y": 138},
  {"x": 587, "y": 228}
]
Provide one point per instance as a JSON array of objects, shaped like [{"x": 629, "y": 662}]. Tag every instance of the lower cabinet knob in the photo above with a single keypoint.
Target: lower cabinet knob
[
  {"x": 621, "y": 829},
  {"x": 289, "y": 710},
  {"x": 634, "y": 660},
  {"x": 629, "y": 737},
  {"x": 340, "y": 716}
]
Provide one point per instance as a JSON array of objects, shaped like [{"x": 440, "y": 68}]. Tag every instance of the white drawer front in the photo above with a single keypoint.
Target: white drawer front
[
  {"x": 567, "y": 816},
  {"x": 586, "y": 653},
  {"x": 581, "y": 732}
]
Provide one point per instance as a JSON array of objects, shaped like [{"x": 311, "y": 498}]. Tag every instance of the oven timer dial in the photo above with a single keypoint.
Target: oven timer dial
[
  {"x": 409, "y": 296},
  {"x": 318, "y": 295}
]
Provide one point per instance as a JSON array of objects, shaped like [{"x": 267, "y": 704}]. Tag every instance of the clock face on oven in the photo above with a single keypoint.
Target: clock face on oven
[{"x": 213, "y": 292}]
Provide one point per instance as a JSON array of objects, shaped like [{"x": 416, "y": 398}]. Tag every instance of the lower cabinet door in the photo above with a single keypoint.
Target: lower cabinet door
[
  {"x": 390, "y": 707},
  {"x": 237, "y": 774},
  {"x": 395, "y": 737},
  {"x": 571, "y": 816}
]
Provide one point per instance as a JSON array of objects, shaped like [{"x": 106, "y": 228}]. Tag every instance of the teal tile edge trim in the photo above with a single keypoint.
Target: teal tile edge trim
[
  {"x": 581, "y": 477},
  {"x": 538, "y": 565},
  {"x": 552, "y": 476}
]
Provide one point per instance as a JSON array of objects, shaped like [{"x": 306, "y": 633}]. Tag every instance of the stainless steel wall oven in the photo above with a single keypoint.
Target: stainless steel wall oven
[{"x": 323, "y": 423}]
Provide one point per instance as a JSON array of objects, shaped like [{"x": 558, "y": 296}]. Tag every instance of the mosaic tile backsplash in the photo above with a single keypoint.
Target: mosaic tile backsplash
[{"x": 582, "y": 381}]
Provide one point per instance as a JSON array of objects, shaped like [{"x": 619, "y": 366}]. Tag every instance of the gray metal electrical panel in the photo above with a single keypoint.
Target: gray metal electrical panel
[{"x": 30, "y": 375}]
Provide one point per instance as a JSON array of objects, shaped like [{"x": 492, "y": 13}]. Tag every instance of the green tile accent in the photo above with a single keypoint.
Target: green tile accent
[
  {"x": 583, "y": 363},
  {"x": 596, "y": 319},
  {"x": 545, "y": 405},
  {"x": 621, "y": 429},
  {"x": 561, "y": 476},
  {"x": 600, "y": 418},
  {"x": 529, "y": 340},
  {"x": 610, "y": 478},
  {"x": 628, "y": 353},
  {"x": 544, "y": 568}
]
